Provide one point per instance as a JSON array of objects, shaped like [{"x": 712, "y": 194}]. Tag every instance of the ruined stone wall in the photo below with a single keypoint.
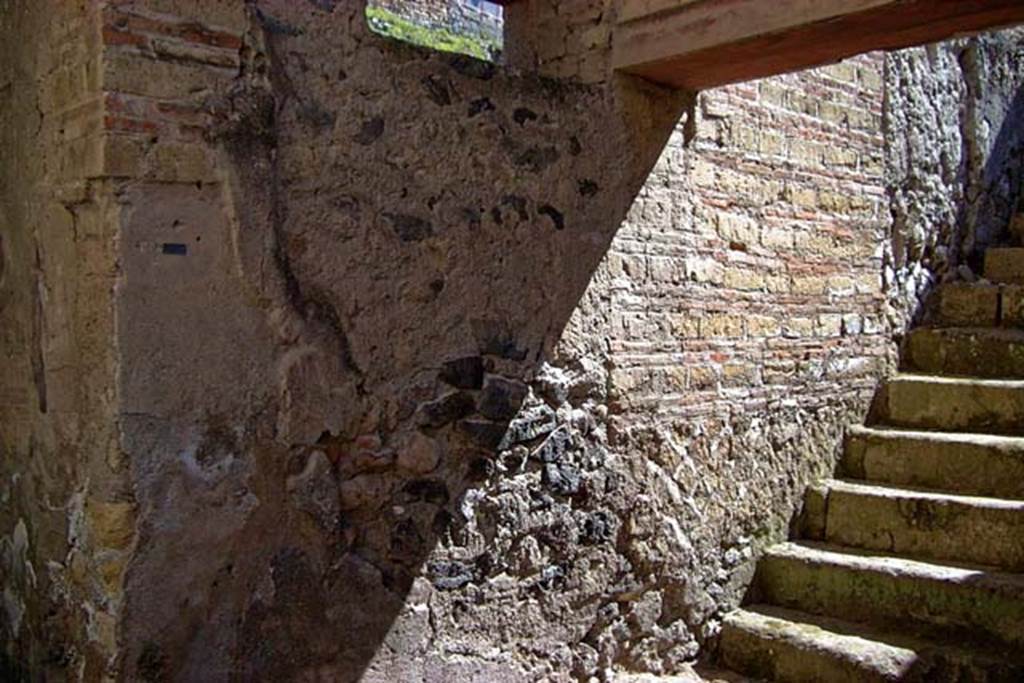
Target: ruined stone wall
[
  {"x": 456, "y": 15},
  {"x": 736, "y": 326},
  {"x": 433, "y": 369},
  {"x": 336, "y": 302},
  {"x": 954, "y": 120},
  {"x": 332, "y": 302},
  {"x": 425, "y": 11},
  {"x": 748, "y": 324},
  {"x": 65, "y": 525}
]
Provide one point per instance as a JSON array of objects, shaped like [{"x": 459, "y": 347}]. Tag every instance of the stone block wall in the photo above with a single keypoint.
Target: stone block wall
[
  {"x": 282, "y": 202},
  {"x": 954, "y": 168},
  {"x": 748, "y": 323},
  {"x": 737, "y": 324},
  {"x": 65, "y": 518},
  {"x": 399, "y": 365}
]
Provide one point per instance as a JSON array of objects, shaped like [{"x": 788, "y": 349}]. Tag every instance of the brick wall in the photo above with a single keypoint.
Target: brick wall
[
  {"x": 770, "y": 277},
  {"x": 232, "y": 228},
  {"x": 743, "y": 323}
]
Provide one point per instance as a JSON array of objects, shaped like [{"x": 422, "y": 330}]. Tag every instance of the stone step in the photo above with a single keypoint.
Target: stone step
[
  {"x": 784, "y": 645},
  {"x": 961, "y": 304},
  {"x": 970, "y": 464},
  {"x": 925, "y": 524},
  {"x": 978, "y": 304},
  {"x": 964, "y": 602},
  {"x": 779, "y": 644},
  {"x": 1011, "y": 306},
  {"x": 952, "y": 404},
  {"x": 1005, "y": 265},
  {"x": 975, "y": 352}
]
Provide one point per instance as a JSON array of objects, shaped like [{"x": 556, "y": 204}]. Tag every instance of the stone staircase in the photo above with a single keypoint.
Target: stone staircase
[{"x": 912, "y": 563}]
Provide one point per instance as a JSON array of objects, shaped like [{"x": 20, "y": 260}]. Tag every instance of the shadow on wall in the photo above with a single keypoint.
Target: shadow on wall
[
  {"x": 994, "y": 198},
  {"x": 398, "y": 242},
  {"x": 953, "y": 121}
]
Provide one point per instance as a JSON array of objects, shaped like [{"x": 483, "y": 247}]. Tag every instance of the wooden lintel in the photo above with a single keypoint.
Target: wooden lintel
[{"x": 699, "y": 44}]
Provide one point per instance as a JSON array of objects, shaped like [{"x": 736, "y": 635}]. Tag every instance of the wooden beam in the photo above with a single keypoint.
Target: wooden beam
[{"x": 698, "y": 44}]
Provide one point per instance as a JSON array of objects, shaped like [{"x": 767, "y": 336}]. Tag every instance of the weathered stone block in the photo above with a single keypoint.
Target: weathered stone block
[
  {"x": 830, "y": 325},
  {"x": 994, "y": 353},
  {"x": 420, "y": 454},
  {"x": 484, "y": 434},
  {"x": 955, "y": 404},
  {"x": 555, "y": 446},
  {"x": 967, "y": 464},
  {"x": 464, "y": 373},
  {"x": 1013, "y": 306},
  {"x": 720, "y": 325},
  {"x": 737, "y": 228},
  {"x": 934, "y": 525},
  {"x": 796, "y": 328},
  {"x": 111, "y": 524},
  {"x": 1005, "y": 265},
  {"x": 699, "y": 378},
  {"x": 817, "y": 581},
  {"x": 531, "y": 423},
  {"x": 763, "y": 326},
  {"x": 685, "y": 326},
  {"x": 501, "y": 397},
  {"x": 446, "y": 409},
  {"x": 739, "y": 374},
  {"x": 967, "y": 305},
  {"x": 562, "y": 478},
  {"x": 777, "y": 238},
  {"x": 809, "y": 284},
  {"x": 744, "y": 279},
  {"x": 132, "y": 74}
]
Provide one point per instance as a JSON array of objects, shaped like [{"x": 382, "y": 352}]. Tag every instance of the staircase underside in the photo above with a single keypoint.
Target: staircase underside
[{"x": 697, "y": 44}]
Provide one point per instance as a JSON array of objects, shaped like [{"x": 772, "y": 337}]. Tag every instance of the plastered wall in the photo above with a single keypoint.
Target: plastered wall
[{"x": 65, "y": 508}]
